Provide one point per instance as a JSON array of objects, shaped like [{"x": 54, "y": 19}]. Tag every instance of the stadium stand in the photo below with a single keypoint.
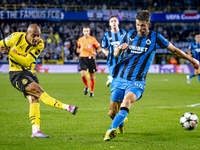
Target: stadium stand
[{"x": 64, "y": 34}]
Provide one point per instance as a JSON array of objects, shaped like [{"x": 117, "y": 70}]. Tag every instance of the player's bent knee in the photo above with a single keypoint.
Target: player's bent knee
[
  {"x": 35, "y": 89},
  {"x": 32, "y": 99},
  {"x": 112, "y": 113}
]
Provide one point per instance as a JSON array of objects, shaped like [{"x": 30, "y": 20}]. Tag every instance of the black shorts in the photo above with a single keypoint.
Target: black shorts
[
  {"x": 88, "y": 63},
  {"x": 21, "y": 79}
]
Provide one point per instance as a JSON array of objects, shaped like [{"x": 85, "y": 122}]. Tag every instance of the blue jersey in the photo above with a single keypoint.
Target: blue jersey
[
  {"x": 139, "y": 56},
  {"x": 195, "y": 50},
  {"x": 110, "y": 41}
]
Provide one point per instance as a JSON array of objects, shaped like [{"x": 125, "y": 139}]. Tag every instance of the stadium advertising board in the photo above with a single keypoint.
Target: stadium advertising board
[
  {"x": 96, "y": 15},
  {"x": 57, "y": 68},
  {"x": 175, "y": 17},
  {"x": 125, "y": 15},
  {"x": 128, "y": 15},
  {"x": 76, "y": 16},
  {"x": 102, "y": 68},
  {"x": 33, "y": 14}
]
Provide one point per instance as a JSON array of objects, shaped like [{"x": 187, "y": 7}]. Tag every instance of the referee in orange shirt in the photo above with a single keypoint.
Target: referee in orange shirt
[{"x": 86, "y": 48}]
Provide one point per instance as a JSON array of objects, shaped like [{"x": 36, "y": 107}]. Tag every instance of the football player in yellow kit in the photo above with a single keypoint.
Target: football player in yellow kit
[{"x": 23, "y": 49}]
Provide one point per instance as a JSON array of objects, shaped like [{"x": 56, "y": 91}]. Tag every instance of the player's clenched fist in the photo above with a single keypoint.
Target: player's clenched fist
[
  {"x": 4, "y": 49},
  {"x": 123, "y": 46}
]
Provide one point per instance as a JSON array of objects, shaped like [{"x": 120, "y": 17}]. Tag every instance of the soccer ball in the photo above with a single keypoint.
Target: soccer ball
[{"x": 189, "y": 121}]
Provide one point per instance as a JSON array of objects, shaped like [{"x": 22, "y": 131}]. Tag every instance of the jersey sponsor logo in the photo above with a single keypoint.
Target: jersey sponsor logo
[
  {"x": 148, "y": 42},
  {"x": 131, "y": 39},
  {"x": 24, "y": 81},
  {"x": 137, "y": 49},
  {"x": 22, "y": 54},
  {"x": 89, "y": 45},
  {"x": 110, "y": 38},
  {"x": 115, "y": 43},
  {"x": 197, "y": 50}
]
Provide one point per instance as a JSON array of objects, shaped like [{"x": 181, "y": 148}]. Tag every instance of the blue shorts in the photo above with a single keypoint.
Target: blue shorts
[{"x": 120, "y": 87}]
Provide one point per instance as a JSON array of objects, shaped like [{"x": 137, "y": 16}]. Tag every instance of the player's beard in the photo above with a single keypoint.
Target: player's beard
[
  {"x": 34, "y": 43},
  {"x": 142, "y": 33}
]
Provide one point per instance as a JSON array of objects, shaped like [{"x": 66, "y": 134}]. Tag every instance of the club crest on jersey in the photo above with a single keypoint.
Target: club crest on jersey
[
  {"x": 24, "y": 81},
  {"x": 148, "y": 42},
  {"x": 89, "y": 45}
]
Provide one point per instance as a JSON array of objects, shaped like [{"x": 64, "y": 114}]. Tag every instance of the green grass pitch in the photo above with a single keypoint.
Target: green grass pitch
[{"x": 153, "y": 121}]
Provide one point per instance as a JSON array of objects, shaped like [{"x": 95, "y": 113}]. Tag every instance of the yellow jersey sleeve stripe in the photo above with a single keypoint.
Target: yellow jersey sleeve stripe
[
  {"x": 27, "y": 48},
  {"x": 32, "y": 55},
  {"x": 4, "y": 42},
  {"x": 14, "y": 62},
  {"x": 20, "y": 38}
]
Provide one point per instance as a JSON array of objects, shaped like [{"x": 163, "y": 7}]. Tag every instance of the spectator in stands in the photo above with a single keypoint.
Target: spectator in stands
[
  {"x": 47, "y": 56},
  {"x": 173, "y": 61},
  {"x": 163, "y": 60},
  {"x": 49, "y": 40},
  {"x": 174, "y": 32}
]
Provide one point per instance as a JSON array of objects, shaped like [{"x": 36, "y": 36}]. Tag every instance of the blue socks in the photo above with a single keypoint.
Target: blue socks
[
  {"x": 192, "y": 75},
  {"x": 199, "y": 78},
  {"x": 119, "y": 118}
]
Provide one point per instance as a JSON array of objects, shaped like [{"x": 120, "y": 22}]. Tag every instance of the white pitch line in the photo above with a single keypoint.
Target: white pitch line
[
  {"x": 161, "y": 80},
  {"x": 193, "y": 105}
]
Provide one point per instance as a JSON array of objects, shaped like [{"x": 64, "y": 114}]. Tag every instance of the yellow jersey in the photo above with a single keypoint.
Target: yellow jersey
[{"x": 26, "y": 53}]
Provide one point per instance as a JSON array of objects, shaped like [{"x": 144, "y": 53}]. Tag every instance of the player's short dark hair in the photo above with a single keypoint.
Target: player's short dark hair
[
  {"x": 143, "y": 15},
  {"x": 86, "y": 27},
  {"x": 113, "y": 16}
]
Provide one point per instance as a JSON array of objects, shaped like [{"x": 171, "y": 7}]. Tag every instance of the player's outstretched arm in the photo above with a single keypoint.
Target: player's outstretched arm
[
  {"x": 120, "y": 49},
  {"x": 181, "y": 54},
  {"x": 24, "y": 61},
  {"x": 105, "y": 51}
]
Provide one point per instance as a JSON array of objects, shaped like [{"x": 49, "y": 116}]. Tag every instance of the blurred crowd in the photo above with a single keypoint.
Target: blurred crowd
[
  {"x": 64, "y": 34},
  {"x": 80, "y": 5}
]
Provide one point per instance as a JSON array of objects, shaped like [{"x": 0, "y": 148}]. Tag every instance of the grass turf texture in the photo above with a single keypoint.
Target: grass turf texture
[{"x": 153, "y": 120}]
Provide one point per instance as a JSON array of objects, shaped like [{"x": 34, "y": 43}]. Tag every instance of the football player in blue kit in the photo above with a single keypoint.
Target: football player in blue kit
[
  {"x": 110, "y": 41},
  {"x": 129, "y": 75},
  {"x": 194, "y": 51}
]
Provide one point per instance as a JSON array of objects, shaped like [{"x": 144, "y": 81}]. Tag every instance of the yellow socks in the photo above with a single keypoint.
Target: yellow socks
[
  {"x": 51, "y": 101},
  {"x": 34, "y": 115}
]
